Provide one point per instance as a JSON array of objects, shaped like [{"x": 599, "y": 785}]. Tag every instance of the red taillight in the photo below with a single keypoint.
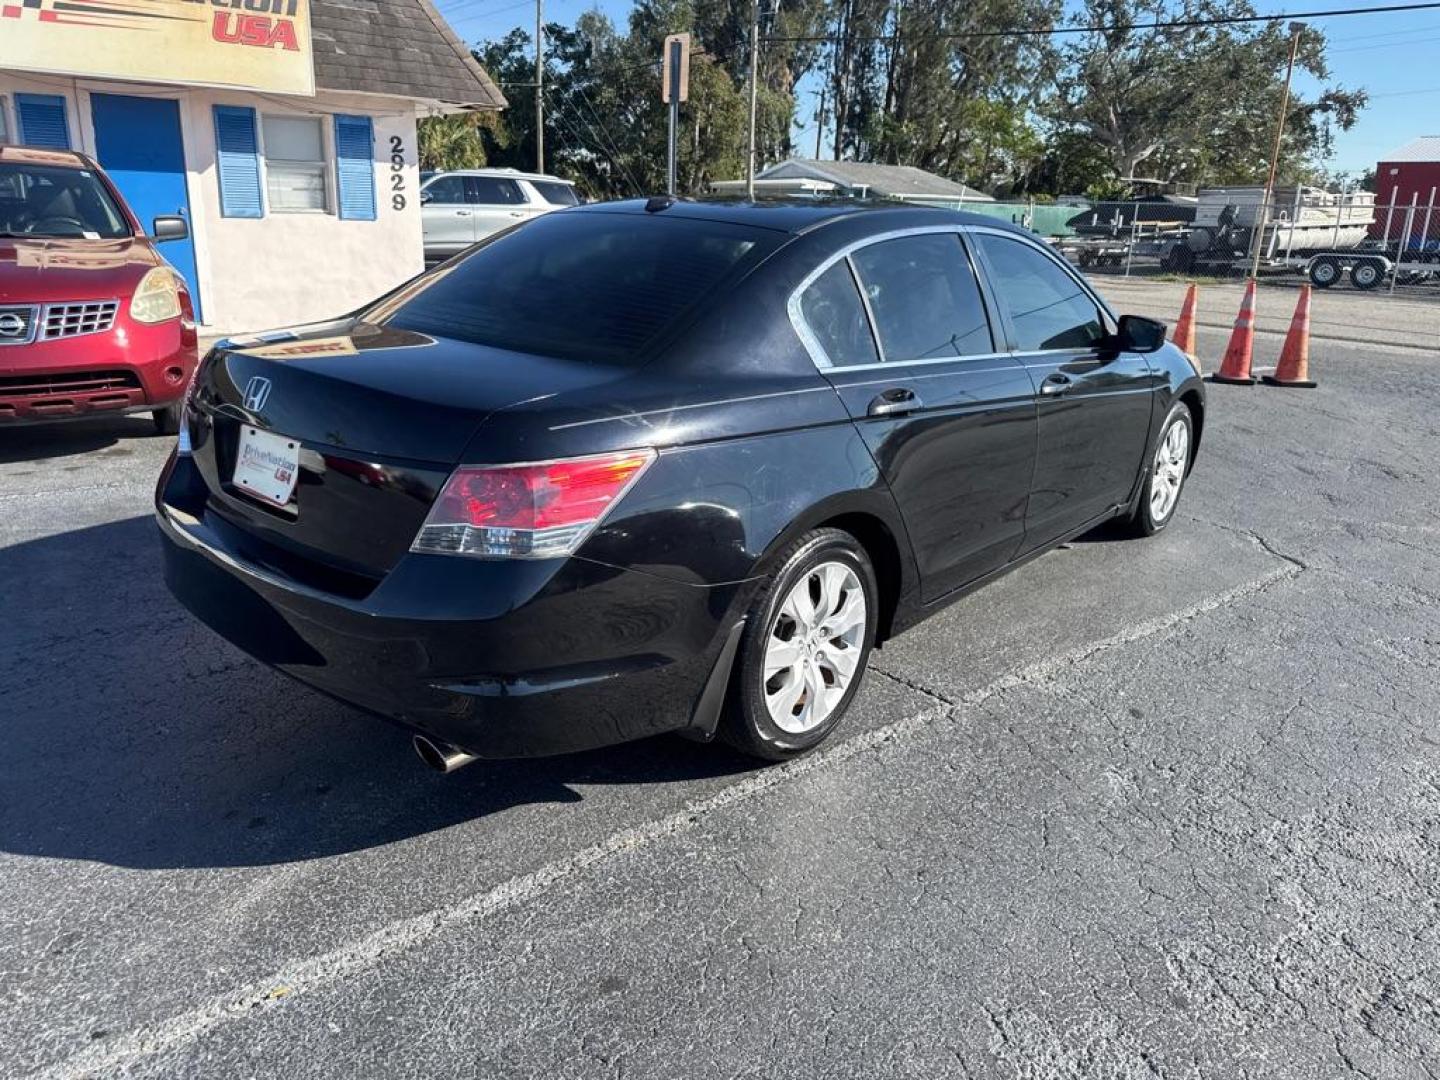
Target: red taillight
[{"x": 537, "y": 511}]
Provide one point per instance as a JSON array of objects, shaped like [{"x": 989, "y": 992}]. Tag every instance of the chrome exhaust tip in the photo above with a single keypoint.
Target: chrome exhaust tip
[{"x": 440, "y": 756}]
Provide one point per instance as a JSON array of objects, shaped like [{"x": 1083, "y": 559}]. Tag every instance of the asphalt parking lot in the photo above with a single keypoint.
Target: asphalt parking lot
[{"x": 1143, "y": 808}]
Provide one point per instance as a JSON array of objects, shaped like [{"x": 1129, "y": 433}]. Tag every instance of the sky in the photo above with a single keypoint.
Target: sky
[{"x": 1388, "y": 53}]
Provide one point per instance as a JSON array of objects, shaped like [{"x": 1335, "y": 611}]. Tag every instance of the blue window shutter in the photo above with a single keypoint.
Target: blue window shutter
[
  {"x": 237, "y": 157},
  {"x": 42, "y": 121},
  {"x": 355, "y": 167}
]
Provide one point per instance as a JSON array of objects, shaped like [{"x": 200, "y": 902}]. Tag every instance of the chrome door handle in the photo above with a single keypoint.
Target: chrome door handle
[
  {"x": 894, "y": 402},
  {"x": 462, "y": 213},
  {"x": 517, "y": 213},
  {"x": 1055, "y": 384}
]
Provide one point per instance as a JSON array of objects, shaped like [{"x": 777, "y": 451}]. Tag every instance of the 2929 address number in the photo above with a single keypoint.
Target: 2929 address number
[{"x": 397, "y": 173}]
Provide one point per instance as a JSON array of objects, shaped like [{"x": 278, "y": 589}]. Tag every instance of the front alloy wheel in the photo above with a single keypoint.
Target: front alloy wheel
[
  {"x": 807, "y": 639},
  {"x": 1168, "y": 470}
]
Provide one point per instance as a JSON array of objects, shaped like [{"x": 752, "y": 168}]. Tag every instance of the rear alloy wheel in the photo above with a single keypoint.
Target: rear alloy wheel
[
  {"x": 1324, "y": 273},
  {"x": 806, "y": 643},
  {"x": 1168, "y": 469},
  {"x": 1366, "y": 274},
  {"x": 167, "y": 420}
]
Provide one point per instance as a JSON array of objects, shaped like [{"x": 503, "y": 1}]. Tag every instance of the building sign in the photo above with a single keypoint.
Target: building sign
[{"x": 249, "y": 44}]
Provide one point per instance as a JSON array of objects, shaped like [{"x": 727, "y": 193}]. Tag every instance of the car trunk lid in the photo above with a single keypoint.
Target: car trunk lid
[{"x": 381, "y": 416}]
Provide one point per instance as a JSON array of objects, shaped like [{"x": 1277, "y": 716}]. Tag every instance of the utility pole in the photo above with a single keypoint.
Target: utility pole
[
  {"x": 1258, "y": 236},
  {"x": 754, "y": 93},
  {"x": 820, "y": 123},
  {"x": 539, "y": 86}
]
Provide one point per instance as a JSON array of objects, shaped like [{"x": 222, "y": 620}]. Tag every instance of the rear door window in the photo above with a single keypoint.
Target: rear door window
[
  {"x": 556, "y": 194},
  {"x": 599, "y": 287},
  {"x": 924, "y": 298},
  {"x": 493, "y": 190},
  {"x": 1047, "y": 307},
  {"x": 833, "y": 311}
]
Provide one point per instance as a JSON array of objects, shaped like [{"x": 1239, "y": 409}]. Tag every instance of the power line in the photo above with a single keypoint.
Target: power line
[
  {"x": 1407, "y": 93},
  {"x": 616, "y": 155},
  {"x": 1104, "y": 28},
  {"x": 607, "y": 145},
  {"x": 465, "y": 8},
  {"x": 1407, "y": 43},
  {"x": 1392, "y": 33},
  {"x": 622, "y": 173}
]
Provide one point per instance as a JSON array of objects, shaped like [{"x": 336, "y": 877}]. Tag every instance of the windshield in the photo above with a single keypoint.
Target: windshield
[
  {"x": 45, "y": 201},
  {"x": 582, "y": 286}
]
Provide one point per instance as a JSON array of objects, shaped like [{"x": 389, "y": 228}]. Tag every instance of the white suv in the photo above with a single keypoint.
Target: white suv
[{"x": 461, "y": 207}]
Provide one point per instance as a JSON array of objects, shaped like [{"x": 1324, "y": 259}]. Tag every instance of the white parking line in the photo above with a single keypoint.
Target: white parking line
[{"x": 362, "y": 955}]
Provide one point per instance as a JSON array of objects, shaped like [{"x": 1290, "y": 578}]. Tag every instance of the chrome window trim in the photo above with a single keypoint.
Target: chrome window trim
[
  {"x": 817, "y": 352},
  {"x": 942, "y": 360},
  {"x": 818, "y": 356},
  {"x": 875, "y": 337},
  {"x": 34, "y": 323}
]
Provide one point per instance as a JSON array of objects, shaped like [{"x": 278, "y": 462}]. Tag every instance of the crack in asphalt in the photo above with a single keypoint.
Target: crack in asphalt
[
  {"x": 1264, "y": 543},
  {"x": 911, "y": 684},
  {"x": 362, "y": 955}
]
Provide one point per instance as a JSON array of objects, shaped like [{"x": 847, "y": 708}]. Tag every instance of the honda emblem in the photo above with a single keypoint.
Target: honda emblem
[{"x": 257, "y": 392}]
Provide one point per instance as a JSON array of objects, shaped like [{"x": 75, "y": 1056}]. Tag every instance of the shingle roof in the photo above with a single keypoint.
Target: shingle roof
[
  {"x": 880, "y": 179},
  {"x": 1425, "y": 148},
  {"x": 400, "y": 47}
]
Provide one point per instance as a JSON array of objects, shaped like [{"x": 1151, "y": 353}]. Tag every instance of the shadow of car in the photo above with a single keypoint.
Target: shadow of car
[{"x": 136, "y": 739}]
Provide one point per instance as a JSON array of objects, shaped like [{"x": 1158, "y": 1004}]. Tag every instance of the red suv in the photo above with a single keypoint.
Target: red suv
[{"x": 92, "y": 319}]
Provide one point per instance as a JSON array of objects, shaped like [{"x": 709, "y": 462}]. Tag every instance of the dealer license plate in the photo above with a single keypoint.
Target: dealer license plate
[{"x": 266, "y": 465}]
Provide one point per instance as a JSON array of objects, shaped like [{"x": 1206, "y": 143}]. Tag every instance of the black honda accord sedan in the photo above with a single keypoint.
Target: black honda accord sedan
[{"x": 662, "y": 466}]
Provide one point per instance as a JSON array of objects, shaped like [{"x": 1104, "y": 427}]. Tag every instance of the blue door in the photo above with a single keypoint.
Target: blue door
[{"x": 137, "y": 141}]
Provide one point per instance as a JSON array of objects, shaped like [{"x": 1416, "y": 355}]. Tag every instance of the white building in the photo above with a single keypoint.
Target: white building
[{"x": 298, "y": 175}]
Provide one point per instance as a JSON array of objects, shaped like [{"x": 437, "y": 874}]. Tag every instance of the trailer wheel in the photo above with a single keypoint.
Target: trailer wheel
[
  {"x": 1366, "y": 273},
  {"x": 1324, "y": 273},
  {"x": 1178, "y": 260}
]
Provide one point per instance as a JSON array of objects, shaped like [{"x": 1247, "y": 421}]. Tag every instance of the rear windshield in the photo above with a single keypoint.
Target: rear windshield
[
  {"x": 556, "y": 194},
  {"x": 597, "y": 287},
  {"x": 46, "y": 201}
]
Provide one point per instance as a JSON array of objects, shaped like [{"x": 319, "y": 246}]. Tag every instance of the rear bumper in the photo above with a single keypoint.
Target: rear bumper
[
  {"x": 503, "y": 659},
  {"x": 130, "y": 368}
]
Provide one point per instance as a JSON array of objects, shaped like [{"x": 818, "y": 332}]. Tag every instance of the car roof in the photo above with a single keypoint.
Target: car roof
[
  {"x": 29, "y": 155},
  {"x": 790, "y": 215},
  {"x": 512, "y": 174}
]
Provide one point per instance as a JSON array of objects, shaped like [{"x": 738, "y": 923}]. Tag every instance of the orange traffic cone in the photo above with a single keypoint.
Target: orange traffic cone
[
  {"x": 1294, "y": 366},
  {"x": 1235, "y": 368},
  {"x": 1184, "y": 335}
]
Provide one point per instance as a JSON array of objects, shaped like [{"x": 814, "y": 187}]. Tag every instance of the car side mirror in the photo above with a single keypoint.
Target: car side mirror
[
  {"x": 425, "y": 197},
  {"x": 169, "y": 227},
  {"x": 1139, "y": 334}
]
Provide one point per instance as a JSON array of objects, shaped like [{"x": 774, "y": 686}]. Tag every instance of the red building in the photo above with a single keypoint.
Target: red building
[{"x": 1409, "y": 176}]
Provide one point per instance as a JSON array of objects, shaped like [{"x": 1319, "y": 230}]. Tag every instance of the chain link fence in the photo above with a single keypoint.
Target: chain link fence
[{"x": 1400, "y": 258}]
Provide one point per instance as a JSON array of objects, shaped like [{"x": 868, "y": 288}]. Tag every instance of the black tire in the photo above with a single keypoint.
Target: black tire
[
  {"x": 747, "y": 724},
  {"x": 1367, "y": 274},
  {"x": 1144, "y": 521},
  {"x": 166, "y": 420},
  {"x": 1324, "y": 273},
  {"x": 1179, "y": 259}
]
